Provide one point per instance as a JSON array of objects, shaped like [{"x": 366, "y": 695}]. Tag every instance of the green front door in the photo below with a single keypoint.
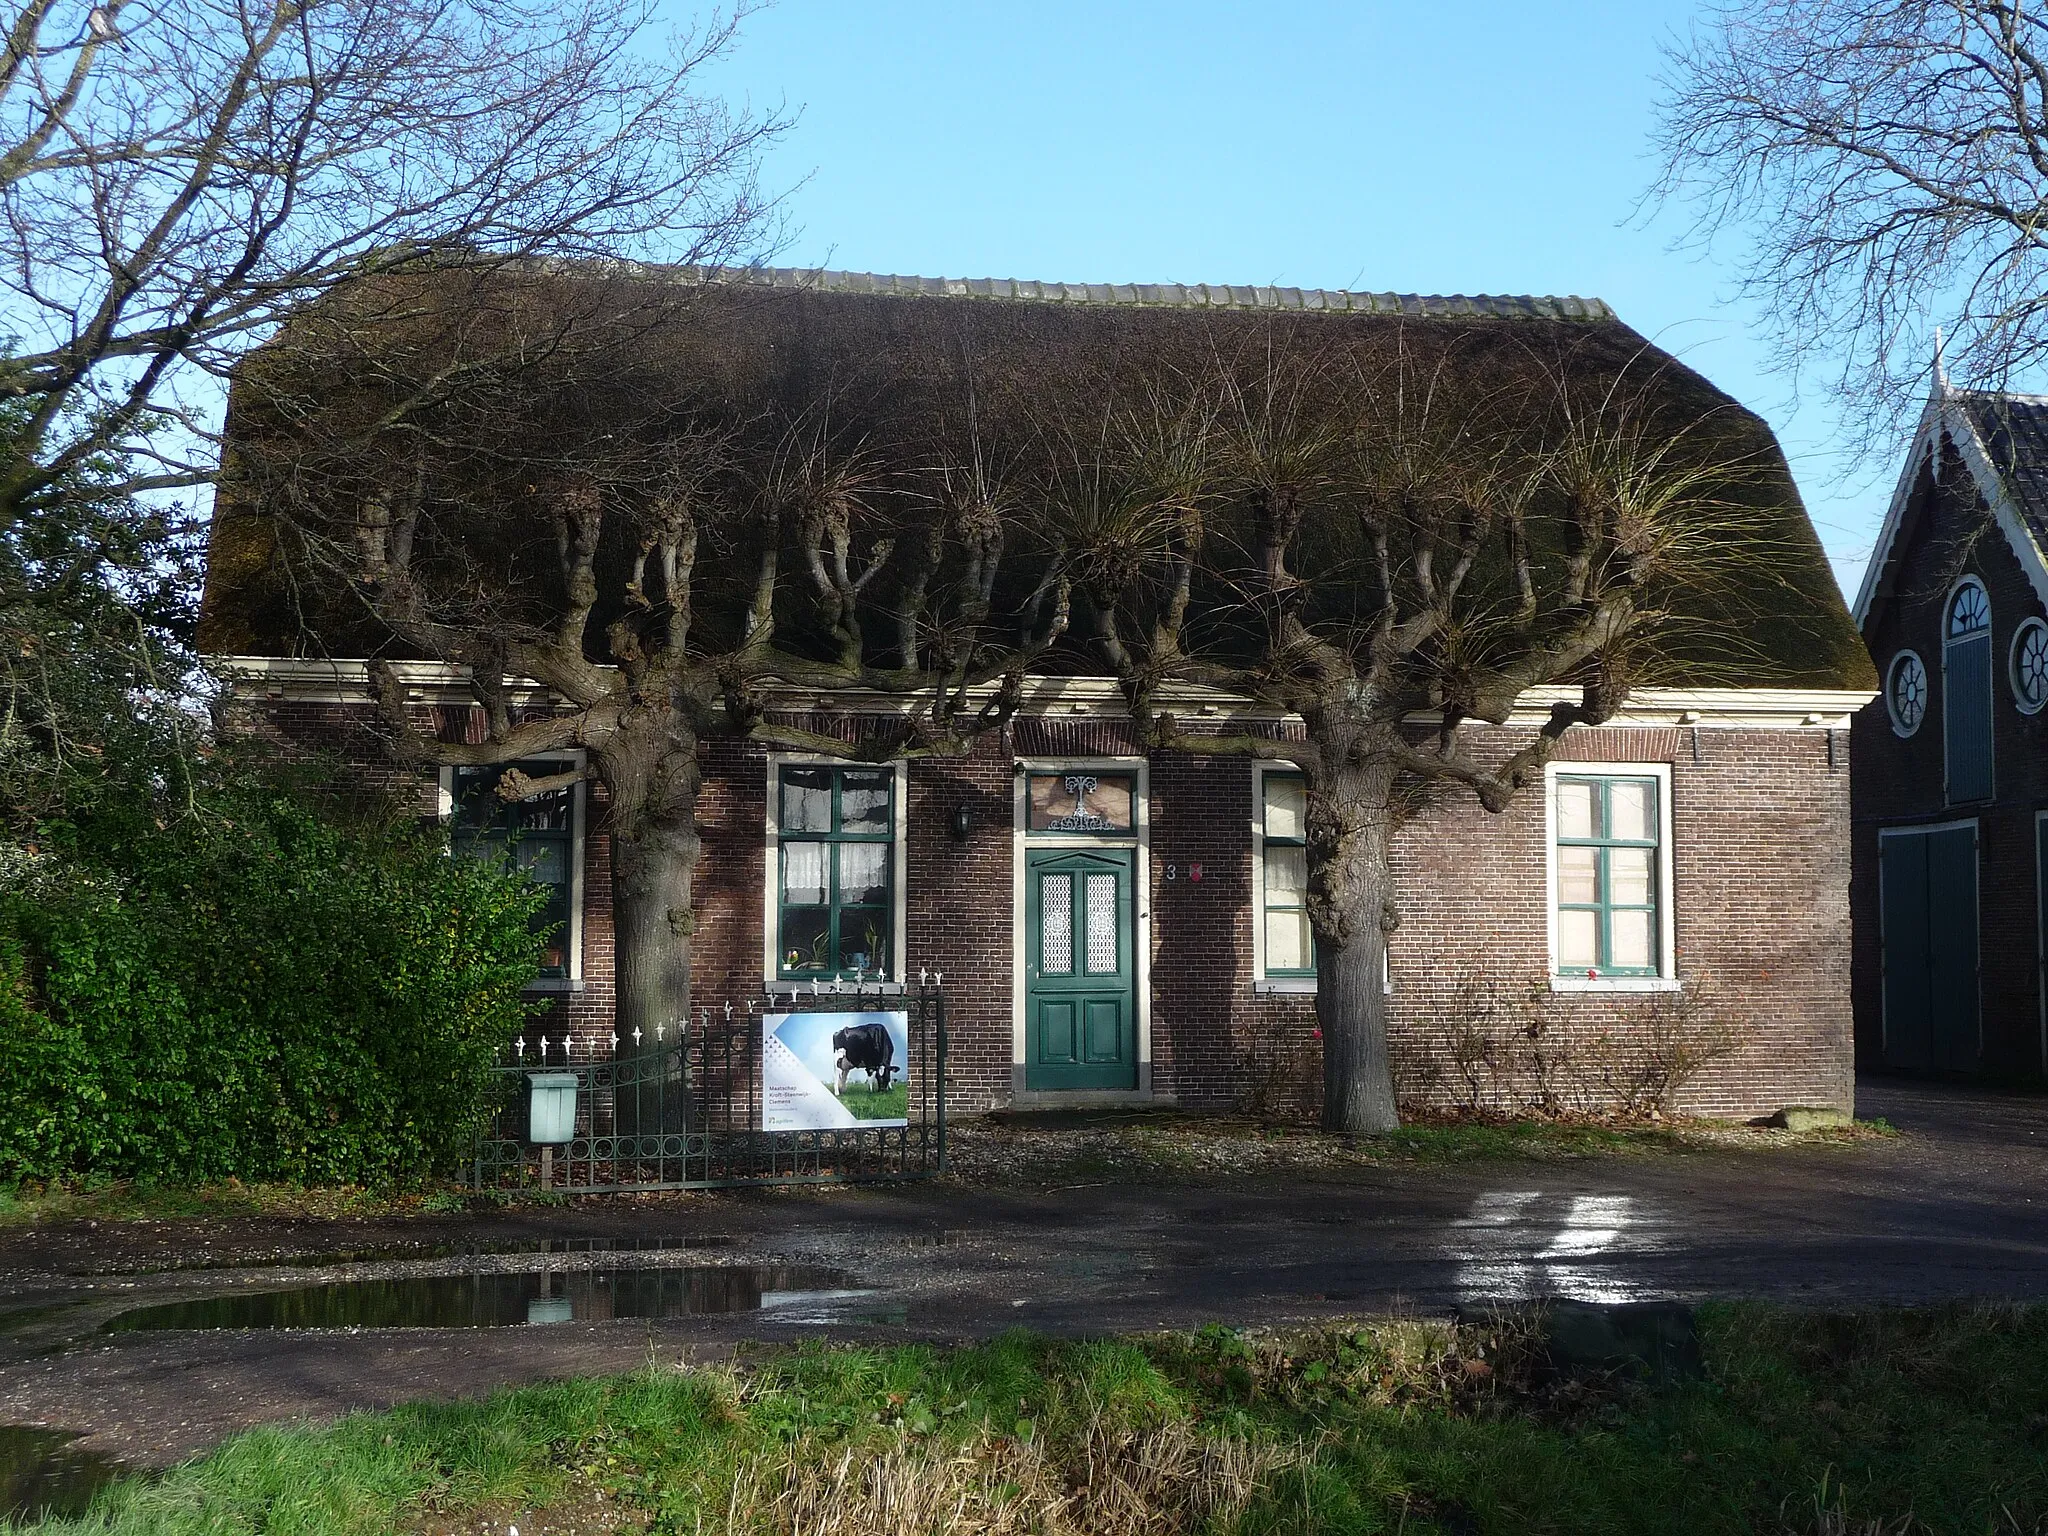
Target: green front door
[{"x": 1080, "y": 990}]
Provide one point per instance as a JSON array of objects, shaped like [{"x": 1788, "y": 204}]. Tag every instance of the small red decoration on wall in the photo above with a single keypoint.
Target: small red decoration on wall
[{"x": 1194, "y": 872}]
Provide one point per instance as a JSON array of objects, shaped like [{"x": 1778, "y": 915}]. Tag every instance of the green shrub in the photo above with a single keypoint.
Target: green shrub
[{"x": 253, "y": 989}]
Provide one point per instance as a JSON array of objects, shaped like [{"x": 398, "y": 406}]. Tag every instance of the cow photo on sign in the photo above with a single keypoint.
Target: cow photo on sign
[{"x": 834, "y": 1071}]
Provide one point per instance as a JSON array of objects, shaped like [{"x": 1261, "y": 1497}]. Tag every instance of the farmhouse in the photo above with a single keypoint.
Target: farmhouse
[
  {"x": 1116, "y": 921},
  {"x": 1951, "y": 763}
]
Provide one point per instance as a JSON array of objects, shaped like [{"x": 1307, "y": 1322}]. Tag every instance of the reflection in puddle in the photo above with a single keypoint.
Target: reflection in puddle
[
  {"x": 41, "y": 1476},
  {"x": 502, "y": 1300}
]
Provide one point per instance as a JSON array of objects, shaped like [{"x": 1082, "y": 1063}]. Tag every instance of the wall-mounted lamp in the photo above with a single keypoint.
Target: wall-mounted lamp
[{"x": 963, "y": 822}]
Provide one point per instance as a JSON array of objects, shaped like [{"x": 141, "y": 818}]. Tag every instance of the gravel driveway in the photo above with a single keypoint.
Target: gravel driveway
[{"x": 1955, "y": 1206}]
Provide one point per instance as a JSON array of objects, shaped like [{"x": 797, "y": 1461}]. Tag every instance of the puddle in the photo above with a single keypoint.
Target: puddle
[
  {"x": 41, "y": 1476},
  {"x": 503, "y": 1300},
  {"x": 424, "y": 1249}
]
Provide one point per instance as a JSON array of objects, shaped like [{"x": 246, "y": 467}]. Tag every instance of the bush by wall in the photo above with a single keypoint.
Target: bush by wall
[{"x": 254, "y": 989}]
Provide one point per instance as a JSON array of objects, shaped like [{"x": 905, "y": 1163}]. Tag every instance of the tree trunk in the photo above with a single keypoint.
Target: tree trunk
[
  {"x": 1351, "y": 909},
  {"x": 654, "y": 779}
]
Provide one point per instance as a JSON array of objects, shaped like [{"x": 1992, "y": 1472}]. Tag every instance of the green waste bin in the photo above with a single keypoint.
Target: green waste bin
[{"x": 551, "y": 1116}]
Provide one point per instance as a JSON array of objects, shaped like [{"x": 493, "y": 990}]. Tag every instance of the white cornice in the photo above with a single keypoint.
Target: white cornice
[
  {"x": 1923, "y": 436},
  {"x": 295, "y": 680}
]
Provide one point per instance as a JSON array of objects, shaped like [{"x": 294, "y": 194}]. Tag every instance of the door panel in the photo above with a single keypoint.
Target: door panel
[
  {"x": 1952, "y": 946},
  {"x": 1080, "y": 992},
  {"x": 1929, "y": 923}
]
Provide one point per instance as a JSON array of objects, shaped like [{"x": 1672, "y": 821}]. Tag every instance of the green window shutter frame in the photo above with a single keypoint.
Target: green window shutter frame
[
  {"x": 1284, "y": 911},
  {"x": 822, "y": 940},
  {"x": 1613, "y": 910}
]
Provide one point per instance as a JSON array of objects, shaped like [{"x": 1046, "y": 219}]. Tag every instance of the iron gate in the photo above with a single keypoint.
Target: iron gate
[{"x": 685, "y": 1112}]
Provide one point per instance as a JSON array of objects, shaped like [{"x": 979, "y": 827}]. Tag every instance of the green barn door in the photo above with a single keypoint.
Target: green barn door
[
  {"x": 1930, "y": 949},
  {"x": 1080, "y": 989}
]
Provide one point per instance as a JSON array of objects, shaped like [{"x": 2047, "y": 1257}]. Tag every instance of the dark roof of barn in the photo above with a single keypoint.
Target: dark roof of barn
[
  {"x": 1797, "y": 630},
  {"x": 2014, "y": 430},
  {"x": 2001, "y": 442}
]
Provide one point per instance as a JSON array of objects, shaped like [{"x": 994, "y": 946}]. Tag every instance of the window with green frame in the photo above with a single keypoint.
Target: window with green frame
[
  {"x": 837, "y": 832},
  {"x": 536, "y": 836},
  {"x": 1609, "y": 901},
  {"x": 1283, "y": 876}
]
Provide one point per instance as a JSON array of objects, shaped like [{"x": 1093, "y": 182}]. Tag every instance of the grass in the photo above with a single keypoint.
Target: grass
[
  {"x": 97, "y": 1199},
  {"x": 1873, "y": 1422},
  {"x": 864, "y": 1102}
]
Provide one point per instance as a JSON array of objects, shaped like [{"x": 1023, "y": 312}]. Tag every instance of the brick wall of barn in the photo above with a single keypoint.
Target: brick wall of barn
[
  {"x": 1900, "y": 781},
  {"x": 1761, "y": 867}
]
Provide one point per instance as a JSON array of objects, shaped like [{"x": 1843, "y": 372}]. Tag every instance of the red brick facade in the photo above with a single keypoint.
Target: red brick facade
[
  {"x": 1946, "y": 533},
  {"x": 1760, "y": 864}
]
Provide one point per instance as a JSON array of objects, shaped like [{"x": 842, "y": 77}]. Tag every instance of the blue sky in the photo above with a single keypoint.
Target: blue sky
[{"x": 1491, "y": 147}]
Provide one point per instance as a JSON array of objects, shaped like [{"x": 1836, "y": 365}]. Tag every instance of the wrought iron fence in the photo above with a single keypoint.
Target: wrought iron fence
[{"x": 685, "y": 1110}]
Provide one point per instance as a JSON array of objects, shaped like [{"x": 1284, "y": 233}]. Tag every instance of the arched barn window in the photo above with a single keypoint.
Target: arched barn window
[{"x": 1966, "y": 691}]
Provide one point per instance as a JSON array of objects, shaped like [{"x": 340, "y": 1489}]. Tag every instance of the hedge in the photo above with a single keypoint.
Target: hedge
[{"x": 253, "y": 990}]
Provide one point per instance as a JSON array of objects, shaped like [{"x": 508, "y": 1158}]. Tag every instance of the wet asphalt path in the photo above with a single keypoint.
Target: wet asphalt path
[{"x": 1957, "y": 1206}]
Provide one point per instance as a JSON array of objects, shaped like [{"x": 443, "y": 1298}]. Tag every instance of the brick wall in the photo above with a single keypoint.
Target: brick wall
[
  {"x": 1899, "y": 781},
  {"x": 1761, "y": 869}
]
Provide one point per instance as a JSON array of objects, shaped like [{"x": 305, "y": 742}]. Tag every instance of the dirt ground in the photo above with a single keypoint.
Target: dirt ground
[{"x": 1956, "y": 1205}]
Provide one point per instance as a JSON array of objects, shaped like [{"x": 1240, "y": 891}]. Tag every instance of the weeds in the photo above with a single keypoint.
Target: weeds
[
  {"x": 1868, "y": 1424},
  {"x": 100, "y": 1199}
]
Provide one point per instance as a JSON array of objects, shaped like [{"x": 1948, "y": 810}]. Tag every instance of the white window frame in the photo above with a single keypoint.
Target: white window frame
[
  {"x": 1899, "y": 727},
  {"x": 568, "y": 757},
  {"x": 1283, "y": 986},
  {"x": 1022, "y": 838},
  {"x": 2027, "y": 626},
  {"x": 771, "y": 868},
  {"x": 1667, "y": 906}
]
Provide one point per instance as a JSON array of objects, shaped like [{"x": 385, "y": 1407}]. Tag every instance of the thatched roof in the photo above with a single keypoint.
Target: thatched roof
[{"x": 901, "y": 363}]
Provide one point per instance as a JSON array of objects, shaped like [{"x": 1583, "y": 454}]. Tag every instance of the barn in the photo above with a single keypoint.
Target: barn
[
  {"x": 1951, "y": 762},
  {"x": 1118, "y": 923}
]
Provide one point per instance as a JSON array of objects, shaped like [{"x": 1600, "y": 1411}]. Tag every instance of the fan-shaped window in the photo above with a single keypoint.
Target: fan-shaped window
[
  {"x": 1905, "y": 692},
  {"x": 2030, "y": 667},
  {"x": 1966, "y": 691},
  {"x": 1969, "y": 612}
]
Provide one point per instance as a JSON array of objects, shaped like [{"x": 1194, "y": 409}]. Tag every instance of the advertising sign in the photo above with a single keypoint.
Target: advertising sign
[{"x": 834, "y": 1071}]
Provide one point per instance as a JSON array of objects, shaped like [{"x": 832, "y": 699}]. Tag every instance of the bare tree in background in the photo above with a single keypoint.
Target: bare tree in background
[
  {"x": 1407, "y": 544},
  {"x": 1884, "y": 166},
  {"x": 178, "y": 174}
]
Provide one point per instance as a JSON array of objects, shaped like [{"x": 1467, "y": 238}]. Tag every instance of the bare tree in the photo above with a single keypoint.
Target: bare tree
[
  {"x": 1431, "y": 536},
  {"x": 177, "y": 176},
  {"x": 1884, "y": 166},
  {"x": 556, "y": 480}
]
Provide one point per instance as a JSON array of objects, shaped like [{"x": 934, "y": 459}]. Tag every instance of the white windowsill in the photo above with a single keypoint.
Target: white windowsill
[
  {"x": 1294, "y": 986},
  {"x": 555, "y": 984},
  {"x": 782, "y": 986},
  {"x": 1616, "y": 984}
]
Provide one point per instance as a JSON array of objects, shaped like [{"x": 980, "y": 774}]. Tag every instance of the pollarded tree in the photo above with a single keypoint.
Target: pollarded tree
[
  {"x": 1425, "y": 532},
  {"x": 569, "y": 482}
]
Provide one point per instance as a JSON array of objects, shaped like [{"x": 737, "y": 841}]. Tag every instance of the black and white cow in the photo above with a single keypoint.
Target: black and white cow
[{"x": 864, "y": 1048}]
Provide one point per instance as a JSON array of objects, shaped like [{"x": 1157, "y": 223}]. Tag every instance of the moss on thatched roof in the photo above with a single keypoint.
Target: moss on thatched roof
[{"x": 897, "y": 363}]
